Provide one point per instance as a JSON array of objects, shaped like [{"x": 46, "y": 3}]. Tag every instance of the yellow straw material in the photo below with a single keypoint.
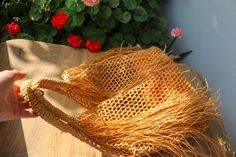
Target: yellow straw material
[{"x": 140, "y": 103}]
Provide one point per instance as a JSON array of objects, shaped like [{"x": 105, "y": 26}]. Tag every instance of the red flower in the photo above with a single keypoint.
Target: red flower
[
  {"x": 59, "y": 20},
  {"x": 93, "y": 46},
  {"x": 74, "y": 40},
  {"x": 89, "y": 43},
  {"x": 96, "y": 46},
  {"x": 13, "y": 28}
]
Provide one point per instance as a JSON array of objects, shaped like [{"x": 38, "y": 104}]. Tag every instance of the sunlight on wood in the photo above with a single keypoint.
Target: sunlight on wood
[{"x": 45, "y": 60}]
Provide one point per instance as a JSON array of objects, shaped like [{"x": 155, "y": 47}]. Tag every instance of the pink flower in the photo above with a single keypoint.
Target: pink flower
[
  {"x": 90, "y": 3},
  {"x": 177, "y": 32}
]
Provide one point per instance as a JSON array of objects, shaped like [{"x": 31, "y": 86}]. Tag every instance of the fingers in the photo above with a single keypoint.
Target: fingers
[
  {"x": 12, "y": 75},
  {"x": 18, "y": 75},
  {"x": 23, "y": 105},
  {"x": 28, "y": 113},
  {"x": 16, "y": 88}
]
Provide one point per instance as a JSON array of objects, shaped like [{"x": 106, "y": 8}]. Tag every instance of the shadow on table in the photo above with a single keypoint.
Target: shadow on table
[
  {"x": 12, "y": 140},
  {"x": 41, "y": 59}
]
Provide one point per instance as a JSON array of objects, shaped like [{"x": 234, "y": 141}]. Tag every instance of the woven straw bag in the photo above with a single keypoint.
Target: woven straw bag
[{"x": 139, "y": 104}]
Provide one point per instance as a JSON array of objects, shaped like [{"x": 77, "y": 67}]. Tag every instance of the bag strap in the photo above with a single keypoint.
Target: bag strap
[{"x": 32, "y": 94}]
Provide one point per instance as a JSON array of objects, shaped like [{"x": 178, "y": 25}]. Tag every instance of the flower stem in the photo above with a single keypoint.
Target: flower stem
[{"x": 172, "y": 42}]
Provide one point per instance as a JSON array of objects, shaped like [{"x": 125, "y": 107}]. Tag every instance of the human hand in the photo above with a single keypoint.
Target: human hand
[{"x": 11, "y": 103}]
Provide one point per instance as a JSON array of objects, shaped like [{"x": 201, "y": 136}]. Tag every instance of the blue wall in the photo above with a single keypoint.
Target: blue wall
[{"x": 210, "y": 30}]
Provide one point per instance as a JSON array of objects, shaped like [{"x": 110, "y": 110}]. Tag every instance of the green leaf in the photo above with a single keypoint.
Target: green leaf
[
  {"x": 116, "y": 40},
  {"x": 130, "y": 4},
  {"x": 63, "y": 41},
  {"x": 93, "y": 10},
  {"x": 139, "y": 2},
  {"x": 117, "y": 13},
  {"x": 115, "y": 44},
  {"x": 16, "y": 8},
  {"x": 93, "y": 17},
  {"x": 40, "y": 2},
  {"x": 106, "y": 23},
  {"x": 114, "y": 3},
  {"x": 25, "y": 36},
  {"x": 95, "y": 33},
  {"x": 140, "y": 14},
  {"x": 132, "y": 27},
  {"x": 127, "y": 28},
  {"x": 4, "y": 17},
  {"x": 46, "y": 33},
  {"x": 53, "y": 6},
  {"x": 163, "y": 22},
  {"x": 35, "y": 13},
  {"x": 118, "y": 37},
  {"x": 152, "y": 13},
  {"x": 126, "y": 17},
  {"x": 105, "y": 12},
  {"x": 110, "y": 23},
  {"x": 77, "y": 20},
  {"x": 150, "y": 36},
  {"x": 98, "y": 34},
  {"x": 42, "y": 20},
  {"x": 101, "y": 22},
  {"x": 28, "y": 28},
  {"x": 129, "y": 39},
  {"x": 75, "y": 5},
  {"x": 45, "y": 38},
  {"x": 153, "y": 4}
]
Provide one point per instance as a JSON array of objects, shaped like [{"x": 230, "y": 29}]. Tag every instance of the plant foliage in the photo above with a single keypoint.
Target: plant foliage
[{"x": 112, "y": 22}]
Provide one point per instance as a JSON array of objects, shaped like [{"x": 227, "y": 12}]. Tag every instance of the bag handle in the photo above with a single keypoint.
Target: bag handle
[{"x": 32, "y": 93}]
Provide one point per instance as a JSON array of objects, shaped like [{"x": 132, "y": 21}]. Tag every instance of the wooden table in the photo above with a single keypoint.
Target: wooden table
[{"x": 35, "y": 137}]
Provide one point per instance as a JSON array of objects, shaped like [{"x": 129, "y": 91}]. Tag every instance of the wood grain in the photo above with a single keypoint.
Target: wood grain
[{"x": 35, "y": 137}]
